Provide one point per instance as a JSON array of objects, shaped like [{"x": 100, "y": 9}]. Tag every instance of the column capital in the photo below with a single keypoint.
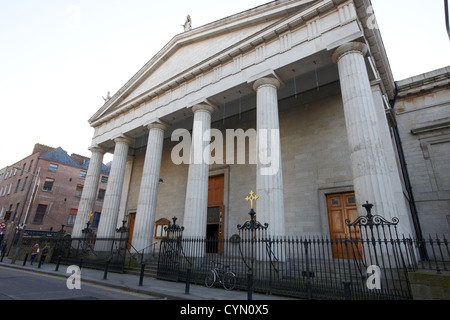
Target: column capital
[
  {"x": 123, "y": 138},
  {"x": 349, "y": 47},
  {"x": 266, "y": 81},
  {"x": 97, "y": 148},
  {"x": 205, "y": 107},
  {"x": 157, "y": 124}
]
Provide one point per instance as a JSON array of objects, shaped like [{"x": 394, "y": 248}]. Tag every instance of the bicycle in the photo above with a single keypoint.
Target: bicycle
[{"x": 227, "y": 278}]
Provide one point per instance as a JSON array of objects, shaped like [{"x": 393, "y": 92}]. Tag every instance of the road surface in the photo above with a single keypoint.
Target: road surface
[{"x": 18, "y": 284}]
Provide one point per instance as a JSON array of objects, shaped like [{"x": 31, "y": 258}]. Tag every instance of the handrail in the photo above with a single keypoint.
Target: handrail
[{"x": 141, "y": 252}]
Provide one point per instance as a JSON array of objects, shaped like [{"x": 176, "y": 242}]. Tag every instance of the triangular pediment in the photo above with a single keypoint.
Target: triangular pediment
[
  {"x": 187, "y": 56},
  {"x": 191, "y": 53}
]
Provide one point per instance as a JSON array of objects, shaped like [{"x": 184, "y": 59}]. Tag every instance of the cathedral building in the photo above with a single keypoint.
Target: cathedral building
[{"x": 291, "y": 100}]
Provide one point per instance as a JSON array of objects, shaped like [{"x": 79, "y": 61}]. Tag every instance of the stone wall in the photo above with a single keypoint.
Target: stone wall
[{"x": 423, "y": 117}]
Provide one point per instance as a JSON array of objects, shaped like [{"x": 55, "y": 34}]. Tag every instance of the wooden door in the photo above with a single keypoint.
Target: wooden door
[
  {"x": 131, "y": 229},
  {"x": 214, "y": 228},
  {"x": 341, "y": 207}
]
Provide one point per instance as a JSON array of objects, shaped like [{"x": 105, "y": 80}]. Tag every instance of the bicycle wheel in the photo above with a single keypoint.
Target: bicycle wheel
[
  {"x": 229, "y": 281},
  {"x": 210, "y": 279}
]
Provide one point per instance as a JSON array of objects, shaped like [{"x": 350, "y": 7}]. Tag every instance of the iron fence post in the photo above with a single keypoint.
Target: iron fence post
[
  {"x": 58, "y": 262},
  {"x": 347, "y": 290},
  {"x": 105, "y": 274},
  {"x": 249, "y": 286},
  {"x": 308, "y": 272},
  {"x": 188, "y": 280}
]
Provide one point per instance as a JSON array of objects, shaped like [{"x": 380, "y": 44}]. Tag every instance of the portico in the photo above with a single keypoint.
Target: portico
[{"x": 302, "y": 74}]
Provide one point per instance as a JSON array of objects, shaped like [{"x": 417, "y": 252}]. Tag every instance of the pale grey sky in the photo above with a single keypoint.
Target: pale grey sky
[{"x": 58, "y": 58}]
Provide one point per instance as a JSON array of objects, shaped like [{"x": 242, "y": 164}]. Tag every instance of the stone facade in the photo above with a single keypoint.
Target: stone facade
[
  {"x": 422, "y": 111},
  {"x": 308, "y": 169},
  {"x": 314, "y": 75}
]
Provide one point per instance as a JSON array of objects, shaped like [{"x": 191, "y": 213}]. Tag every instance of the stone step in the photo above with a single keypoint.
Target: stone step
[{"x": 150, "y": 270}]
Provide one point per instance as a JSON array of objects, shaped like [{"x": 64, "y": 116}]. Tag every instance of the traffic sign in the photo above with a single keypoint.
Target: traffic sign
[{"x": 2, "y": 226}]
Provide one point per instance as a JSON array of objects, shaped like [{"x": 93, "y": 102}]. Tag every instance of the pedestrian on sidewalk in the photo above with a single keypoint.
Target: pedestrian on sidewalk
[
  {"x": 44, "y": 252},
  {"x": 34, "y": 252}
]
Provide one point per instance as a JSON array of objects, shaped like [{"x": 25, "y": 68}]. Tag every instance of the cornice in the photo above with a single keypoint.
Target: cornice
[
  {"x": 436, "y": 79},
  {"x": 376, "y": 46}
]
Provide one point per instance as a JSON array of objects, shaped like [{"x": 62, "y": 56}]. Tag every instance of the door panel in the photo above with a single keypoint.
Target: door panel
[
  {"x": 215, "y": 213},
  {"x": 342, "y": 207},
  {"x": 131, "y": 229}
]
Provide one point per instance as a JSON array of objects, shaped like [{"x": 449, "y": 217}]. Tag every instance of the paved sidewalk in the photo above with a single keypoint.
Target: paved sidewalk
[{"x": 164, "y": 289}]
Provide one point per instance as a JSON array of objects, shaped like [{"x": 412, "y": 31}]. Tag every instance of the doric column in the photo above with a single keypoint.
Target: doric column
[
  {"x": 269, "y": 176},
  {"x": 90, "y": 188},
  {"x": 369, "y": 165},
  {"x": 146, "y": 208},
  {"x": 111, "y": 203},
  {"x": 196, "y": 204}
]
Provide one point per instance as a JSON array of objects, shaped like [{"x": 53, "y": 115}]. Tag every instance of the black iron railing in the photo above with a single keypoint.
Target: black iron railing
[
  {"x": 91, "y": 252},
  {"x": 370, "y": 262}
]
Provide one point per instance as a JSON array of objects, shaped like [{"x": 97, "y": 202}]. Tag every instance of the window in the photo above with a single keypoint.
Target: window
[
  {"x": 7, "y": 215},
  {"x": 53, "y": 167},
  {"x": 160, "y": 226},
  {"x": 48, "y": 184},
  {"x": 15, "y": 211},
  {"x": 40, "y": 212},
  {"x": 83, "y": 174},
  {"x": 72, "y": 217},
  {"x": 24, "y": 183},
  {"x": 17, "y": 186},
  {"x": 9, "y": 190},
  {"x": 31, "y": 163},
  {"x": 101, "y": 194},
  {"x": 104, "y": 179},
  {"x": 96, "y": 219},
  {"x": 79, "y": 190}
]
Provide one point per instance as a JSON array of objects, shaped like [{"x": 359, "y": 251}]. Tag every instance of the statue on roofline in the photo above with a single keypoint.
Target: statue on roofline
[
  {"x": 108, "y": 97},
  {"x": 188, "y": 24}
]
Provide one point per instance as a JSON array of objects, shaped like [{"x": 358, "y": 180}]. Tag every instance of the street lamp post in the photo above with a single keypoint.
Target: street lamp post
[{"x": 24, "y": 224}]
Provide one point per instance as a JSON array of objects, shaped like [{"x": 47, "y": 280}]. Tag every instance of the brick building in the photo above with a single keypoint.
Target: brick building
[{"x": 46, "y": 186}]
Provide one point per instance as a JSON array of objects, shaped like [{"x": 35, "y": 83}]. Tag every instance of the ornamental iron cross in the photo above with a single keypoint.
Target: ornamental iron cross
[
  {"x": 90, "y": 216},
  {"x": 251, "y": 198}
]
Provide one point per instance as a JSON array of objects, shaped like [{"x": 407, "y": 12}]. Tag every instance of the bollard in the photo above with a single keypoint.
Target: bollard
[
  {"x": 188, "y": 281},
  {"x": 57, "y": 263},
  {"x": 141, "y": 277},
  {"x": 81, "y": 263},
  {"x": 105, "y": 274},
  {"x": 40, "y": 262},
  {"x": 3, "y": 255},
  {"x": 25, "y": 259},
  {"x": 249, "y": 286},
  {"x": 347, "y": 290}
]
